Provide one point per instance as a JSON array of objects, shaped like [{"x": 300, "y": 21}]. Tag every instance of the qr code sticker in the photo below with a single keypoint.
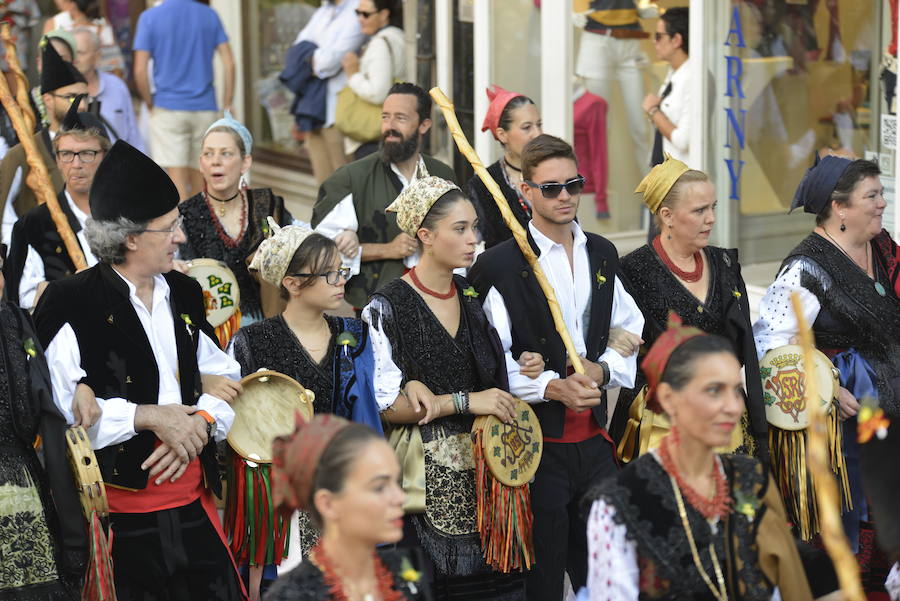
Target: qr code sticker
[{"x": 888, "y": 132}]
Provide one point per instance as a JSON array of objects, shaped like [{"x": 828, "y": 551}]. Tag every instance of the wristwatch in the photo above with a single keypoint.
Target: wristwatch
[
  {"x": 211, "y": 425},
  {"x": 606, "y": 376}
]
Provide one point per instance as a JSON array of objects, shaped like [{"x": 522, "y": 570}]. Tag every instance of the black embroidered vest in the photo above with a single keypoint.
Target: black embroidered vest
[
  {"x": 117, "y": 357},
  {"x": 504, "y": 267}
]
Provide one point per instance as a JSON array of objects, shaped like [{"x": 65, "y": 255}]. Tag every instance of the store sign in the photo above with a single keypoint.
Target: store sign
[{"x": 735, "y": 120}]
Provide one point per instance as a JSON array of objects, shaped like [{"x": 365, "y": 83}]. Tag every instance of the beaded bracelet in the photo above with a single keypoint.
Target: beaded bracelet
[
  {"x": 465, "y": 402},
  {"x": 457, "y": 401}
]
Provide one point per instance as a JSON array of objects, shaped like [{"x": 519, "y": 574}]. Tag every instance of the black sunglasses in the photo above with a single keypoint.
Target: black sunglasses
[
  {"x": 364, "y": 14},
  {"x": 574, "y": 187},
  {"x": 659, "y": 35}
]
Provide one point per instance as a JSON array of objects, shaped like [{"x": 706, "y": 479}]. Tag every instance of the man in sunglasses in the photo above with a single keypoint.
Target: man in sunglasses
[
  {"x": 61, "y": 83},
  {"x": 130, "y": 335},
  {"x": 571, "y": 407},
  {"x": 37, "y": 253}
]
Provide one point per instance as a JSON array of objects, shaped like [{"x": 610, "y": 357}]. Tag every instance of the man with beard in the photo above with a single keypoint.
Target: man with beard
[{"x": 351, "y": 203}]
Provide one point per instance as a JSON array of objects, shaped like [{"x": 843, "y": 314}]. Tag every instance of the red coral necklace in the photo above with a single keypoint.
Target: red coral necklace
[
  {"x": 429, "y": 291},
  {"x": 383, "y": 578},
  {"x": 718, "y": 506},
  {"x": 687, "y": 276}
]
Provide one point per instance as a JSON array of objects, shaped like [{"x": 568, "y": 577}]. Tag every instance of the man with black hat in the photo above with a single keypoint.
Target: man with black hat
[
  {"x": 37, "y": 254},
  {"x": 134, "y": 333},
  {"x": 61, "y": 83}
]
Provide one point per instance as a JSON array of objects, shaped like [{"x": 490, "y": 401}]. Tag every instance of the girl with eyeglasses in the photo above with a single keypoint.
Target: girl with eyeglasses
[{"x": 328, "y": 355}]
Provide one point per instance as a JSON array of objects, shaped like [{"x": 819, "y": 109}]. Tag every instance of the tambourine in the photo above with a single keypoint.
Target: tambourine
[
  {"x": 512, "y": 451},
  {"x": 221, "y": 293},
  {"x": 783, "y": 378},
  {"x": 86, "y": 473},
  {"x": 264, "y": 410}
]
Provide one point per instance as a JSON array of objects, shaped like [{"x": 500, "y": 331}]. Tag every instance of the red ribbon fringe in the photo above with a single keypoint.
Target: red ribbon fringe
[
  {"x": 98, "y": 580},
  {"x": 257, "y": 534},
  {"x": 505, "y": 521}
]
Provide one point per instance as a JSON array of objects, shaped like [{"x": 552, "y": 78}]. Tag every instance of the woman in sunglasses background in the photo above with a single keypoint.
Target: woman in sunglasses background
[
  {"x": 329, "y": 355},
  {"x": 679, "y": 271},
  {"x": 513, "y": 120},
  {"x": 380, "y": 62}
]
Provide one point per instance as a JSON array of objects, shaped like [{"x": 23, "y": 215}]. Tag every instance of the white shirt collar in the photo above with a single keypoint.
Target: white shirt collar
[
  {"x": 160, "y": 288},
  {"x": 421, "y": 171},
  {"x": 545, "y": 244},
  {"x": 79, "y": 214}
]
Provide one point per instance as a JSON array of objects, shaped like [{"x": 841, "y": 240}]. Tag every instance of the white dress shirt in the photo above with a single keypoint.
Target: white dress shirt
[
  {"x": 33, "y": 272},
  {"x": 572, "y": 285},
  {"x": 677, "y": 109},
  {"x": 343, "y": 217},
  {"x": 116, "y": 424}
]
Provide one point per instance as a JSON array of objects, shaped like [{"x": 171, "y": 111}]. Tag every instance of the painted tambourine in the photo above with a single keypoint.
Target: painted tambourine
[
  {"x": 86, "y": 473},
  {"x": 783, "y": 382},
  {"x": 265, "y": 409},
  {"x": 221, "y": 293},
  {"x": 512, "y": 451}
]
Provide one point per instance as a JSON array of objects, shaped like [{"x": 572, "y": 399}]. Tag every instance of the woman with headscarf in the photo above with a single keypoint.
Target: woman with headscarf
[
  {"x": 680, "y": 271},
  {"x": 846, "y": 290},
  {"x": 346, "y": 477},
  {"x": 683, "y": 522},
  {"x": 438, "y": 364},
  {"x": 331, "y": 356},
  {"x": 227, "y": 220},
  {"x": 513, "y": 120}
]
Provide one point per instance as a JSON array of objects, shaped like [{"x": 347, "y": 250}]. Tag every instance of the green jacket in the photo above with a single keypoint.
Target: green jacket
[{"x": 373, "y": 186}]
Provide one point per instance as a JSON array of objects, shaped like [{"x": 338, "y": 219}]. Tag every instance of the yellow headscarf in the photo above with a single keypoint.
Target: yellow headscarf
[{"x": 659, "y": 181}]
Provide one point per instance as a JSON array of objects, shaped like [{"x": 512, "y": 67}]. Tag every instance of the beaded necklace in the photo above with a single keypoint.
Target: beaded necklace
[{"x": 383, "y": 578}]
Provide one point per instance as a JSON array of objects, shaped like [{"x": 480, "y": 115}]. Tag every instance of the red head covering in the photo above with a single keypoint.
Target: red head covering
[
  {"x": 658, "y": 356},
  {"x": 499, "y": 99},
  {"x": 295, "y": 458}
]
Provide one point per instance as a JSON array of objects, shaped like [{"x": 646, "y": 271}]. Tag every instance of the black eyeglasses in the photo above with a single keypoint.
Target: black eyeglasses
[
  {"x": 659, "y": 35},
  {"x": 169, "y": 230},
  {"x": 85, "y": 156},
  {"x": 364, "y": 14},
  {"x": 70, "y": 97},
  {"x": 574, "y": 186},
  {"x": 331, "y": 277}
]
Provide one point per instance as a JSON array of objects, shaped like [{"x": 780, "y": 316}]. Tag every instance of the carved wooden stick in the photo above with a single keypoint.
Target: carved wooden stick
[
  {"x": 826, "y": 491},
  {"x": 511, "y": 222},
  {"x": 22, "y": 85},
  {"x": 38, "y": 178}
]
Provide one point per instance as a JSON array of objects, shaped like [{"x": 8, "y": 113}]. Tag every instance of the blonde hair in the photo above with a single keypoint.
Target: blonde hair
[{"x": 676, "y": 192}]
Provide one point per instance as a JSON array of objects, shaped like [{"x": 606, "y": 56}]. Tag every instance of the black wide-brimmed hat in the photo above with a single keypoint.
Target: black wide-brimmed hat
[
  {"x": 82, "y": 120},
  {"x": 57, "y": 73},
  {"x": 129, "y": 184}
]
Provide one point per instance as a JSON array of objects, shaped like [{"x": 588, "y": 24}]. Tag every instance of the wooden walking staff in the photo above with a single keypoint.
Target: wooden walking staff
[
  {"x": 515, "y": 227},
  {"x": 38, "y": 178},
  {"x": 825, "y": 488},
  {"x": 12, "y": 59}
]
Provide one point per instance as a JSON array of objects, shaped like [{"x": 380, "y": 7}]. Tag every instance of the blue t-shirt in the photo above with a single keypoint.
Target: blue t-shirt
[{"x": 181, "y": 37}]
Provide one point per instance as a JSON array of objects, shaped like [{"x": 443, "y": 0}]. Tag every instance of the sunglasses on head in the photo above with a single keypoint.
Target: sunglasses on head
[{"x": 574, "y": 187}]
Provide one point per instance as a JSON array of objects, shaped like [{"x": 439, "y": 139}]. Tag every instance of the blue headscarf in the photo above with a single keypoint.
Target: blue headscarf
[
  {"x": 816, "y": 187},
  {"x": 230, "y": 122}
]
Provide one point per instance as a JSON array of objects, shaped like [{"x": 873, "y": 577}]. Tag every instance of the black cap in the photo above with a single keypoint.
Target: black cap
[
  {"x": 55, "y": 72},
  {"x": 82, "y": 120},
  {"x": 881, "y": 481},
  {"x": 129, "y": 184}
]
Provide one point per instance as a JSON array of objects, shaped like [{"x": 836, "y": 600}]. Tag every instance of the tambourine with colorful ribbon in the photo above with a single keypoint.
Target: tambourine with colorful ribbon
[
  {"x": 788, "y": 413},
  {"x": 221, "y": 296},
  {"x": 506, "y": 459},
  {"x": 98, "y": 583},
  {"x": 263, "y": 410}
]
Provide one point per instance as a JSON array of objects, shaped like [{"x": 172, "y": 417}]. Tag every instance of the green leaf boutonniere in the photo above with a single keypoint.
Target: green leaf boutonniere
[
  {"x": 601, "y": 279},
  {"x": 264, "y": 226},
  {"x": 470, "y": 292},
  {"x": 30, "y": 348},
  {"x": 746, "y": 504},
  {"x": 409, "y": 575},
  {"x": 346, "y": 340},
  {"x": 186, "y": 319},
  {"x": 737, "y": 294}
]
